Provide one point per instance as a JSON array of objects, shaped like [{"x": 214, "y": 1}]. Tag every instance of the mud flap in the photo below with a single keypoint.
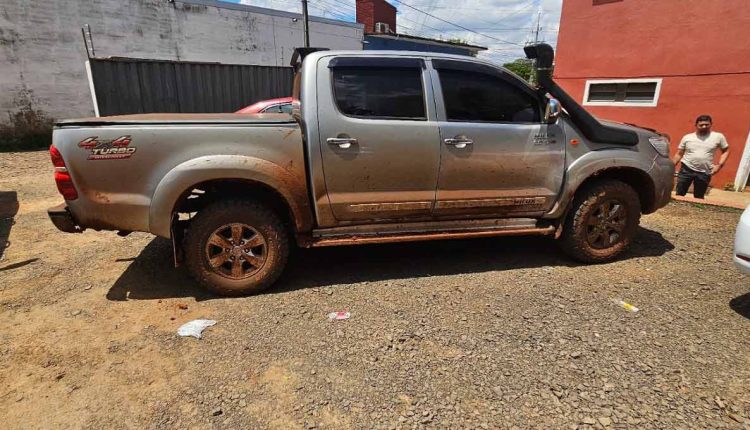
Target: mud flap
[{"x": 177, "y": 233}]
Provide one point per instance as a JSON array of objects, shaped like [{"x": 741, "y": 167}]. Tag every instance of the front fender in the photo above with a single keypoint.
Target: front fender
[
  {"x": 289, "y": 184},
  {"x": 594, "y": 163}
]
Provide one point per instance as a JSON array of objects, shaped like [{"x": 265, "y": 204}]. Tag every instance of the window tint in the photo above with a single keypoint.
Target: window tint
[
  {"x": 391, "y": 93},
  {"x": 478, "y": 97},
  {"x": 286, "y": 108},
  {"x": 283, "y": 108}
]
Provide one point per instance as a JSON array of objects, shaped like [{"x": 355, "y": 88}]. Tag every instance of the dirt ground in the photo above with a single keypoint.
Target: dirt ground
[{"x": 496, "y": 333}]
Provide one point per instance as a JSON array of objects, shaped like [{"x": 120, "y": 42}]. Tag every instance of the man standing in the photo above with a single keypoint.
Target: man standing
[{"x": 696, "y": 151}]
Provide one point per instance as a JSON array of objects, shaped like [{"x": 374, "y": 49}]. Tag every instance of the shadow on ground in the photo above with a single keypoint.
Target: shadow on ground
[
  {"x": 152, "y": 275},
  {"x": 741, "y": 305},
  {"x": 8, "y": 210}
]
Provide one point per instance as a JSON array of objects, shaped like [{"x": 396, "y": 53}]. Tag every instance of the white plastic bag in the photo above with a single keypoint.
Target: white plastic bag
[{"x": 194, "y": 328}]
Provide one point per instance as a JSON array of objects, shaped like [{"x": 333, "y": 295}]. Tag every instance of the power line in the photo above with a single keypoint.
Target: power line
[{"x": 458, "y": 25}]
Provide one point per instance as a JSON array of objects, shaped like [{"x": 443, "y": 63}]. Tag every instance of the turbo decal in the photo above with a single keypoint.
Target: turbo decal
[{"x": 116, "y": 149}]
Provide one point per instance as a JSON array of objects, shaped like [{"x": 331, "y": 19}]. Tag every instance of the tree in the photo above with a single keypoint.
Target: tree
[{"x": 522, "y": 67}]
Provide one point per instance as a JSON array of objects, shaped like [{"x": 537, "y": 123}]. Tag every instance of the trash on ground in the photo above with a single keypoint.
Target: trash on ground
[
  {"x": 625, "y": 305},
  {"x": 194, "y": 328},
  {"x": 333, "y": 316},
  {"x": 182, "y": 306}
]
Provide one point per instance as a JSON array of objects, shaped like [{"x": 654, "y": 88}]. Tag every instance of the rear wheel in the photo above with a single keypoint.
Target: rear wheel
[
  {"x": 235, "y": 248},
  {"x": 602, "y": 222}
]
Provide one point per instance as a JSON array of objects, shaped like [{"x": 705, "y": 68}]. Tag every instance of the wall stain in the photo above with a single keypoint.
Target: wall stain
[{"x": 28, "y": 127}]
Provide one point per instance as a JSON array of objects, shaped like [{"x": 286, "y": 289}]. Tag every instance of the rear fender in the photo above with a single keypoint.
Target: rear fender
[{"x": 214, "y": 167}]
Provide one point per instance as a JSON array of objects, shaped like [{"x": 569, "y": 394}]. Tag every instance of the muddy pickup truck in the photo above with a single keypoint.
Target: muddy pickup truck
[{"x": 381, "y": 147}]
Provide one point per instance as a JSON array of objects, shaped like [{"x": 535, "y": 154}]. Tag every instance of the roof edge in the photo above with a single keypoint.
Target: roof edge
[
  {"x": 425, "y": 39},
  {"x": 266, "y": 11}
]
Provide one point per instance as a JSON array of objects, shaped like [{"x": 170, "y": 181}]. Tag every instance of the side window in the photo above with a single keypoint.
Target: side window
[
  {"x": 271, "y": 109},
  {"x": 383, "y": 92},
  {"x": 282, "y": 108},
  {"x": 479, "y": 97}
]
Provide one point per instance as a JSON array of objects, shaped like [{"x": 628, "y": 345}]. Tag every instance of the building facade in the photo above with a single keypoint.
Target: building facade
[
  {"x": 379, "y": 20},
  {"x": 43, "y": 57},
  {"x": 660, "y": 64}
]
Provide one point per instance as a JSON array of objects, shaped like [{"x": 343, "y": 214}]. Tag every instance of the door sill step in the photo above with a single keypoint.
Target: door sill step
[{"x": 360, "y": 235}]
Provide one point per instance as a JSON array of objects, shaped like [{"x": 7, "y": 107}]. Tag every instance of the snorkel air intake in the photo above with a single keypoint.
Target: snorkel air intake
[{"x": 586, "y": 123}]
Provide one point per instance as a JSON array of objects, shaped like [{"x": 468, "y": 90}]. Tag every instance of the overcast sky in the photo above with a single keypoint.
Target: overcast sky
[{"x": 505, "y": 25}]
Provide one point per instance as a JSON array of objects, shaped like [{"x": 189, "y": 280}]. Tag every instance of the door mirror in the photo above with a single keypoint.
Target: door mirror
[{"x": 552, "y": 112}]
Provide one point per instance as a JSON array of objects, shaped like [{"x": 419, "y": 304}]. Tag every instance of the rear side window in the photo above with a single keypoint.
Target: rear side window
[
  {"x": 478, "y": 97},
  {"x": 283, "y": 108},
  {"x": 379, "y": 93}
]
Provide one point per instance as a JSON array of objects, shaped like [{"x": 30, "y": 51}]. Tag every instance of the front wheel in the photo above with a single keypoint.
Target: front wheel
[
  {"x": 602, "y": 222},
  {"x": 236, "y": 248}
]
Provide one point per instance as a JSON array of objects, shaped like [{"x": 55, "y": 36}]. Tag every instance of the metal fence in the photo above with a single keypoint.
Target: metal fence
[{"x": 125, "y": 86}]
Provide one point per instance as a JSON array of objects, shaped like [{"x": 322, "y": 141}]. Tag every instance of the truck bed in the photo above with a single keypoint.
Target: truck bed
[{"x": 180, "y": 118}]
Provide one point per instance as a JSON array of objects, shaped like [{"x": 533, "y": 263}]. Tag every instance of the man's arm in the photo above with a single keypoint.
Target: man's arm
[
  {"x": 722, "y": 160},
  {"x": 678, "y": 156}
]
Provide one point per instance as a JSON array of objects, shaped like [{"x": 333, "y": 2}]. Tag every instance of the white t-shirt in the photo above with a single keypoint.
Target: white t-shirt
[{"x": 699, "y": 150}]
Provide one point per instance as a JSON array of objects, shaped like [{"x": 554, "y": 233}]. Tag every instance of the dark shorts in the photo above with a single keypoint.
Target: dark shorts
[{"x": 688, "y": 176}]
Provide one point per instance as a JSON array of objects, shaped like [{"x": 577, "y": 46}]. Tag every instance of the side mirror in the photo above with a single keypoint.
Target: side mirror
[{"x": 552, "y": 113}]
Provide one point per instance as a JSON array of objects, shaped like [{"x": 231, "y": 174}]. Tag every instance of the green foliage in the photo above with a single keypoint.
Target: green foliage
[{"x": 522, "y": 67}]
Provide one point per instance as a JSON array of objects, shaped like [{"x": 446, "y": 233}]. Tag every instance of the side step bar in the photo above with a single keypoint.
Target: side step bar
[{"x": 412, "y": 232}]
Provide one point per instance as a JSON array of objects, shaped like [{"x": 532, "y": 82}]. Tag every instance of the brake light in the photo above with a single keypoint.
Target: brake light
[
  {"x": 660, "y": 144},
  {"x": 62, "y": 176}
]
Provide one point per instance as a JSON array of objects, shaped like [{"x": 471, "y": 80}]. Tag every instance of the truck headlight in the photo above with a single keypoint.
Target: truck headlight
[{"x": 660, "y": 144}]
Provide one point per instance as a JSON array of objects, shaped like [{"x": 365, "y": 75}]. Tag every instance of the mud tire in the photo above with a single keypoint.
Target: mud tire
[
  {"x": 255, "y": 215},
  {"x": 575, "y": 240}
]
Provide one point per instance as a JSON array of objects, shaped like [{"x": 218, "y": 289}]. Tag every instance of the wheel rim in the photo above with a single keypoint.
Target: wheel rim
[
  {"x": 236, "y": 251},
  {"x": 605, "y": 225}
]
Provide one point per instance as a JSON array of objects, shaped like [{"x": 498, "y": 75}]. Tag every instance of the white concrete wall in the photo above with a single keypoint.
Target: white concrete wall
[{"x": 42, "y": 54}]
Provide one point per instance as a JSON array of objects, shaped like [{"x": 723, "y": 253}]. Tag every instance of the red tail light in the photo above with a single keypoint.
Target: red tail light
[{"x": 62, "y": 177}]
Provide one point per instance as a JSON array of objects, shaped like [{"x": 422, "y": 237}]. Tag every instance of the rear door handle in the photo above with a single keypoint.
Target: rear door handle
[
  {"x": 459, "y": 142},
  {"x": 342, "y": 142}
]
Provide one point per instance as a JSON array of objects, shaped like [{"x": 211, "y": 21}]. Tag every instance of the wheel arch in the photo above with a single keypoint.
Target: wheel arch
[
  {"x": 637, "y": 179},
  {"x": 224, "y": 175}
]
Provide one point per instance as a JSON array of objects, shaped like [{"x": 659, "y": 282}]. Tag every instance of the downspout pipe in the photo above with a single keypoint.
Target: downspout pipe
[{"x": 591, "y": 128}]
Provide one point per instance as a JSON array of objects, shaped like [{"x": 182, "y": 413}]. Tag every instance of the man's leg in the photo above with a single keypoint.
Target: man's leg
[
  {"x": 684, "y": 178},
  {"x": 701, "y": 185}
]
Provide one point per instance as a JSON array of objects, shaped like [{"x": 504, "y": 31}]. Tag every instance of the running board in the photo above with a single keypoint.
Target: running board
[{"x": 412, "y": 232}]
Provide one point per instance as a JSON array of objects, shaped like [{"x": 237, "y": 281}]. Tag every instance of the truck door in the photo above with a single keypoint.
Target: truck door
[
  {"x": 498, "y": 158},
  {"x": 378, "y": 136}
]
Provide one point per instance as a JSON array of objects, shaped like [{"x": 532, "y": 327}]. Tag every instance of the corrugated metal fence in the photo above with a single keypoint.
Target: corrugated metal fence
[{"x": 125, "y": 86}]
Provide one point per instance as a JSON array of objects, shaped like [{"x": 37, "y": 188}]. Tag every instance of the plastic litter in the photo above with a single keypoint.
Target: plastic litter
[
  {"x": 336, "y": 316},
  {"x": 194, "y": 328},
  {"x": 625, "y": 305}
]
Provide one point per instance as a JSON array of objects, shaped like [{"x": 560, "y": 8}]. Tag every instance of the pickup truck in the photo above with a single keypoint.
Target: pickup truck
[{"x": 380, "y": 147}]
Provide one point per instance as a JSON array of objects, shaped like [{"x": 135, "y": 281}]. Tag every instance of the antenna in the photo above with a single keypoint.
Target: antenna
[
  {"x": 532, "y": 78},
  {"x": 88, "y": 41}
]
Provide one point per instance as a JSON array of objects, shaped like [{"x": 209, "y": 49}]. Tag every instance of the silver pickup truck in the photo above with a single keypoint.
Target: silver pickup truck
[{"x": 381, "y": 147}]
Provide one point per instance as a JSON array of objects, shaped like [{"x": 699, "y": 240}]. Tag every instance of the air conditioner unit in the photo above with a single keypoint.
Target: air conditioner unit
[{"x": 382, "y": 27}]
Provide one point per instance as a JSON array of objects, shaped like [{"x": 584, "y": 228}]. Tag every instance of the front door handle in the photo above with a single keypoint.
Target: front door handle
[
  {"x": 342, "y": 142},
  {"x": 459, "y": 142}
]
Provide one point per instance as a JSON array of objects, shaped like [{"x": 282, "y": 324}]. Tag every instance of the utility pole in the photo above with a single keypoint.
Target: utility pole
[
  {"x": 305, "y": 23},
  {"x": 532, "y": 78}
]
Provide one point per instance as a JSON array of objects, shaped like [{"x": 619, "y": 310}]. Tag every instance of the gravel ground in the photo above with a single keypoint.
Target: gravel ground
[{"x": 496, "y": 333}]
